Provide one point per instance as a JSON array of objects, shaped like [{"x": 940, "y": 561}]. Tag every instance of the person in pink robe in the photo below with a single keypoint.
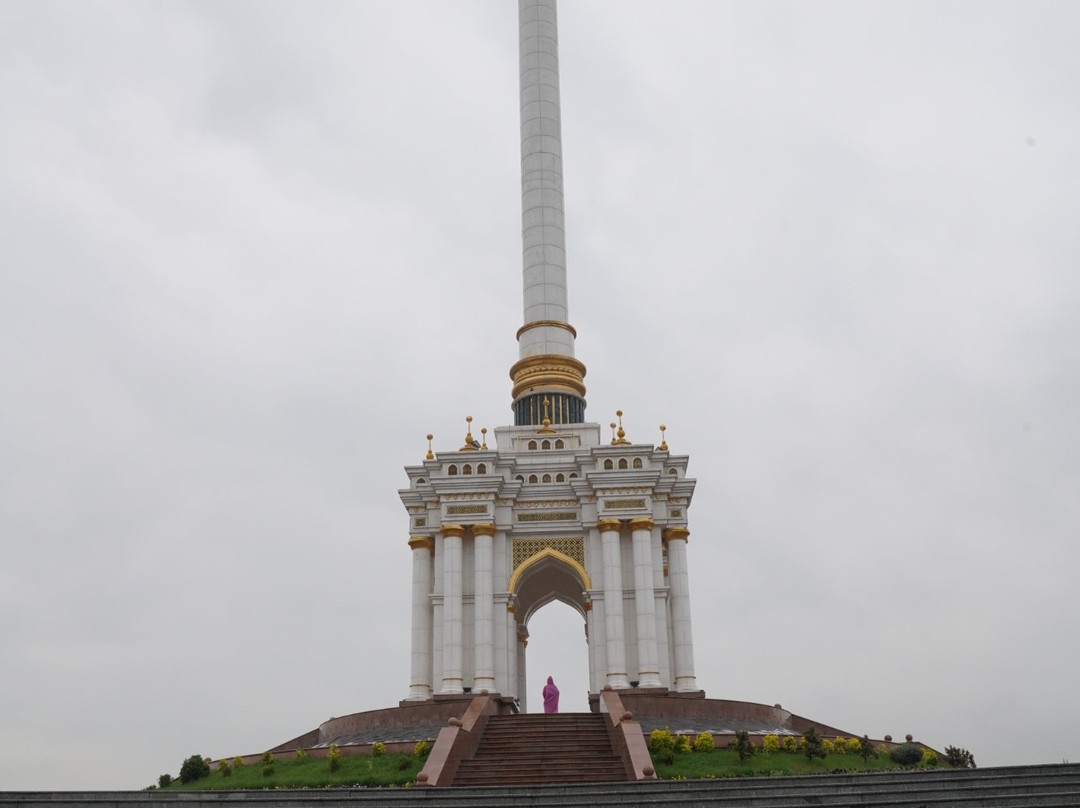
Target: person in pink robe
[{"x": 551, "y": 697}]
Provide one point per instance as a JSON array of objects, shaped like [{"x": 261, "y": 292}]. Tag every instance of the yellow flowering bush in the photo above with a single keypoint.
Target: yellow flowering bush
[
  {"x": 790, "y": 744},
  {"x": 378, "y": 748},
  {"x": 704, "y": 743},
  {"x": 334, "y": 757},
  {"x": 770, "y": 744}
]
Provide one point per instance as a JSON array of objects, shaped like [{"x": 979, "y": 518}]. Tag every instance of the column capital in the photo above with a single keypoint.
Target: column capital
[
  {"x": 418, "y": 542},
  {"x": 676, "y": 533},
  {"x": 483, "y": 530},
  {"x": 641, "y": 523},
  {"x": 608, "y": 525},
  {"x": 452, "y": 530}
]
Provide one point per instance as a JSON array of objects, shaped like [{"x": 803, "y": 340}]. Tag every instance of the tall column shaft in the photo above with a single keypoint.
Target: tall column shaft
[
  {"x": 511, "y": 653},
  {"x": 483, "y": 609},
  {"x": 645, "y": 604},
  {"x": 420, "y": 670},
  {"x": 546, "y": 367},
  {"x": 613, "y": 596},
  {"x": 679, "y": 577},
  {"x": 452, "y": 680}
]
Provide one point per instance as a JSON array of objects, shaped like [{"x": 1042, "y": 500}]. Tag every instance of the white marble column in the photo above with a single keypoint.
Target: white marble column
[
  {"x": 644, "y": 603},
  {"x": 679, "y": 578},
  {"x": 483, "y": 609},
  {"x": 511, "y": 652},
  {"x": 522, "y": 644},
  {"x": 452, "y": 680},
  {"x": 613, "y": 601},
  {"x": 420, "y": 672}
]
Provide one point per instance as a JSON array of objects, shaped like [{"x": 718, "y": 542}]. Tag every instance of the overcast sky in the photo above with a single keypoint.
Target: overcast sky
[{"x": 252, "y": 252}]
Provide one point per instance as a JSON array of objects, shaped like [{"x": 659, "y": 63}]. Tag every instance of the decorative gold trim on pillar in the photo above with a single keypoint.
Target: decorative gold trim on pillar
[
  {"x": 676, "y": 533},
  {"x": 642, "y": 523},
  {"x": 416, "y": 542},
  {"x": 482, "y": 530},
  {"x": 545, "y": 324},
  {"x": 548, "y": 372},
  {"x": 606, "y": 525},
  {"x": 452, "y": 530}
]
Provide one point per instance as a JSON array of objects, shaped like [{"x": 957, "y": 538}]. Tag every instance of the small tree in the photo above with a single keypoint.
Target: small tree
[
  {"x": 378, "y": 749},
  {"x": 164, "y": 781},
  {"x": 743, "y": 745},
  {"x": 267, "y": 764},
  {"x": 682, "y": 745},
  {"x": 866, "y": 748},
  {"x": 812, "y": 745},
  {"x": 790, "y": 744},
  {"x": 301, "y": 754},
  {"x": 237, "y": 762},
  {"x": 224, "y": 767},
  {"x": 334, "y": 756},
  {"x": 194, "y": 768},
  {"x": 422, "y": 749},
  {"x": 959, "y": 758}
]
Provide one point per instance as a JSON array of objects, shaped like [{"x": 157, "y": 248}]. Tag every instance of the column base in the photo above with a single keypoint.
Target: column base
[
  {"x": 419, "y": 693},
  {"x": 618, "y": 681}
]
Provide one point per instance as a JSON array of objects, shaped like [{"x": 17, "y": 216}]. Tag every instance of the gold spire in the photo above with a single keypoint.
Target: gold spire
[
  {"x": 546, "y": 428},
  {"x": 663, "y": 438},
  {"x": 470, "y": 443},
  {"x": 430, "y": 454},
  {"x": 621, "y": 433},
  {"x": 483, "y": 437},
  {"x": 612, "y": 433}
]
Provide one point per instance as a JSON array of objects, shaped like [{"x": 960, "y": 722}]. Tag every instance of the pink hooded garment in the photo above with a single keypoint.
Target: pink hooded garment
[{"x": 551, "y": 697}]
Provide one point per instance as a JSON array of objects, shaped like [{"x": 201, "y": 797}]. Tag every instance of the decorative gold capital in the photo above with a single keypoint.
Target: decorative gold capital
[
  {"x": 548, "y": 372},
  {"x": 606, "y": 525},
  {"x": 641, "y": 523},
  {"x": 452, "y": 530},
  {"x": 676, "y": 533},
  {"x": 417, "y": 542},
  {"x": 483, "y": 530}
]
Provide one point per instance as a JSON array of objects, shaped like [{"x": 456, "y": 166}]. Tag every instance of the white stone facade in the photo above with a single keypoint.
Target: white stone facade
[{"x": 551, "y": 514}]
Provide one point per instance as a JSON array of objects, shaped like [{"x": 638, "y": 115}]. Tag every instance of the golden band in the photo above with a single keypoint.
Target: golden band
[
  {"x": 416, "y": 542},
  {"x": 641, "y": 523},
  {"x": 545, "y": 324},
  {"x": 483, "y": 530},
  {"x": 548, "y": 372},
  {"x": 452, "y": 530},
  {"x": 607, "y": 525}
]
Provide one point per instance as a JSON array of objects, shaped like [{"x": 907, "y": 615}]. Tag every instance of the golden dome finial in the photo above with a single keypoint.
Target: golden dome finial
[
  {"x": 622, "y": 432},
  {"x": 483, "y": 437},
  {"x": 612, "y": 433},
  {"x": 663, "y": 438},
  {"x": 430, "y": 454},
  {"x": 470, "y": 443}
]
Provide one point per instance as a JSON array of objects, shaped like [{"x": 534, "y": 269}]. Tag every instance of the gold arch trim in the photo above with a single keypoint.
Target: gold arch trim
[{"x": 549, "y": 552}]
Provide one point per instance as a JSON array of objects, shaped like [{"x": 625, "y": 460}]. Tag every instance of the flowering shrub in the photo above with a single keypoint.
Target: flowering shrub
[
  {"x": 237, "y": 762},
  {"x": 682, "y": 745},
  {"x": 841, "y": 745},
  {"x": 224, "y": 767},
  {"x": 301, "y": 754},
  {"x": 662, "y": 745},
  {"x": 828, "y": 746},
  {"x": 704, "y": 743},
  {"x": 929, "y": 757},
  {"x": 422, "y": 749},
  {"x": 790, "y": 744},
  {"x": 770, "y": 744},
  {"x": 378, "y": 748},
  {"x": 267, "y": 764},
  {"x": 334, "y": 757}
]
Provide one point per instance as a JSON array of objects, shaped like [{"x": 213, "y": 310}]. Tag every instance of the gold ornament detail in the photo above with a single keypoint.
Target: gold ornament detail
[
  {"x": 547, "y": 516},
  {"x": 676, "y": 533},
  {"x": 470, "y": 443},
  {"x": 624, "y": 503},
  {"x": 572, "y": 547},
  {"x": 545, "y": 324},
  {"x": 663, "y": 438},
  {"x": 430, "y": 454},
  {"x": 620, "y": 438},
  {"x": 548, "y": 372},
  {"x": 452, "y": 530},
  {"x": 464, "y": 510}
]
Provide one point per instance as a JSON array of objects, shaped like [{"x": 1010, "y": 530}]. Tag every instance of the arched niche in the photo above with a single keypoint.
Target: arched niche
[{"x": 549, "y": 575}]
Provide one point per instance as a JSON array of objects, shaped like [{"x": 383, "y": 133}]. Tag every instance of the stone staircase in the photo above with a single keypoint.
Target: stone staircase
[
  {"x": 1051, "y": 786},
  {"x": 537, "y": 748}
]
